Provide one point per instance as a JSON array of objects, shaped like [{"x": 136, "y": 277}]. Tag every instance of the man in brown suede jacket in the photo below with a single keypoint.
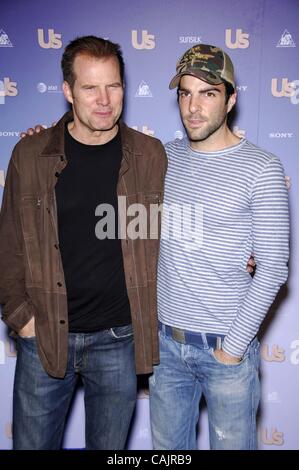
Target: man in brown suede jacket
[{"x": 80, "y": 305}]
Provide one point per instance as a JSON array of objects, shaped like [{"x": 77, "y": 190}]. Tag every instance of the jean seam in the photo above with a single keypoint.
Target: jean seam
[
  {"x": 85, "y": 356},
  {"x": 190, "y": 421},
  {"x": 182, "y": 348},
  {"x": 252, "y": 443}
]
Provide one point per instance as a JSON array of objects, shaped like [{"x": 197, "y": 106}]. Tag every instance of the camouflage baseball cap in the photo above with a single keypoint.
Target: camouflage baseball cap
[{"x": 209, "y": 63}]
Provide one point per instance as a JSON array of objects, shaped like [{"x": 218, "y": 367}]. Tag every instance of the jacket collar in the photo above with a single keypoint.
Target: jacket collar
[
  {"x": 55, "y": 145},
  {"x": 127, "y": 138}
]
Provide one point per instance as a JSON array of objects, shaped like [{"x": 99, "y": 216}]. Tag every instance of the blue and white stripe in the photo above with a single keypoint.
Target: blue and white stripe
[{"x": 245, "y": 211}]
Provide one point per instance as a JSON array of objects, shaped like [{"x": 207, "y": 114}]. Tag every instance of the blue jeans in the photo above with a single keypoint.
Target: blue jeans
[
  {"x": 105, "y": 362},
  {"x": 232, "y": 393}
]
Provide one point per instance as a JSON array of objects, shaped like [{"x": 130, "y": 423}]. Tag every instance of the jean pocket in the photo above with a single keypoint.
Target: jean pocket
[
  {"x": 211, "y": 350},
  {"x": 121, "y": 332},
  {"x": 27, "y": 344}
]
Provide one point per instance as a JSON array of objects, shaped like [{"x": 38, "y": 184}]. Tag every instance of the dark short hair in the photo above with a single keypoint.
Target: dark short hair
[
  {"x": 91, "y": 46},
  {"x": 229, "y": 90}
]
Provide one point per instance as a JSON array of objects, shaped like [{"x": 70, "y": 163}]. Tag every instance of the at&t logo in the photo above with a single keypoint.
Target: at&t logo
[
  {"x": 54, "y": 39},
  {"x": 241, "y": 41},
  {"x": 147, "y": 40},
  {"x": 43, "y": 88}
]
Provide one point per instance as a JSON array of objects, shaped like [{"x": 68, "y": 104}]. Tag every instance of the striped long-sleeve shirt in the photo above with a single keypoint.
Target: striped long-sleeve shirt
[{"x": 203, "y": 285}]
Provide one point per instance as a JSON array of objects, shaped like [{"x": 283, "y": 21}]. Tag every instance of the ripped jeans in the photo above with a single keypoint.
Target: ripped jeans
[{"x": 232, "y": 393}]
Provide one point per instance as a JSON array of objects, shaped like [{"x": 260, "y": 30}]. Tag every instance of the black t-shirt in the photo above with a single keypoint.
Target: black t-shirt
[{"x": 93, "y": 268}]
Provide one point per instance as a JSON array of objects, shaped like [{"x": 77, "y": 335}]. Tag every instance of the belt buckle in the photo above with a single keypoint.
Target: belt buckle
[{"x": 178, "y": 335}]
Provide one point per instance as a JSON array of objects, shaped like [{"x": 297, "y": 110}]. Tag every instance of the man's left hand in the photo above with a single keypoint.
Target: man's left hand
[
  {"x": 226, "y": 358},
  {"x": 250, "y": 265}
]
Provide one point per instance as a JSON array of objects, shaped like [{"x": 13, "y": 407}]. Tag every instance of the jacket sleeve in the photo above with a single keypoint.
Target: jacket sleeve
[
  {"x": 164, "y": 162},
  {"x": 17, "y": 309}
]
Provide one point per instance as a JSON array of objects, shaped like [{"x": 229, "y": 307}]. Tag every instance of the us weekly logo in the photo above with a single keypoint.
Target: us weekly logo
[
  {"x": 7, "y": 88},
  {"x": 50, "y": 39},
  {"x": 236, "y": 39},
  {"x": 143, "y": 40},
  {"x": 285, "y": 88}
]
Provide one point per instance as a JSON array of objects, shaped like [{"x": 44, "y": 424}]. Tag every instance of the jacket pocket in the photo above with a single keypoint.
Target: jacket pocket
[
  {"x": 152, "y": 202},
  {"x": 31, "y": 218},
  {"x": 154, "y": 197},
  {"x": 20, "y": 316}
]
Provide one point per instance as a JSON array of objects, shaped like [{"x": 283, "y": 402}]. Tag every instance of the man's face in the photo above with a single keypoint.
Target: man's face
[
  {"x": 96, "y": 97},
  {"x": 203, "y": 108}
]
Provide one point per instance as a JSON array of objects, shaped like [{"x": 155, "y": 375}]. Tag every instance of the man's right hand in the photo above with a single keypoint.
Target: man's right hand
[
  {"x": 28, "y": 331},
  {"x": 36, "y": 130},
  {"x": 32, "y": 131}
]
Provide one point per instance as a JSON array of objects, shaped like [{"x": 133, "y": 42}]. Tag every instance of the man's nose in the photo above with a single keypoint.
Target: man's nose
[
  {"x": 103, "y": 97},
  {"x": 195, "y": 104}
]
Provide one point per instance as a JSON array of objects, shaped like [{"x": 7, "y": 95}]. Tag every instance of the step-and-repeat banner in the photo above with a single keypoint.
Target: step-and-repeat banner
[{"x": 262, "y": 38}]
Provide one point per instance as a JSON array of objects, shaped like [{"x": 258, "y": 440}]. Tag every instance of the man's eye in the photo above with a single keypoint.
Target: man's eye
[{"x": 210, "y": 94}]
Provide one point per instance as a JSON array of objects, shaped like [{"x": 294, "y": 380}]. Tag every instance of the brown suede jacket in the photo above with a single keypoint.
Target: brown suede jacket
[{"x": 31, "y": 274}]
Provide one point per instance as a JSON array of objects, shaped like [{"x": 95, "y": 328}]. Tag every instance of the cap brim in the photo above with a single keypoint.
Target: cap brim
[{"x": 202, "y": 74}]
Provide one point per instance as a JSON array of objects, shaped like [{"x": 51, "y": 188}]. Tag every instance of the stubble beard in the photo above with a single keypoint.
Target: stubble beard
[{"x": 199, "y": 135}]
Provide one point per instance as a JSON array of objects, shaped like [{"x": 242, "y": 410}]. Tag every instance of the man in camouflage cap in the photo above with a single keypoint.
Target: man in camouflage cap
[
  {"x": 209, "y": 63},
  {"x": 209, "y": 317}
]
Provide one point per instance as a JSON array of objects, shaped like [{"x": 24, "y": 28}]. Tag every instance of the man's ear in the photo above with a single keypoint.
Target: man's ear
[
  {"x": 67, "y": 91},
  {"x": 231, "y": 102}
]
